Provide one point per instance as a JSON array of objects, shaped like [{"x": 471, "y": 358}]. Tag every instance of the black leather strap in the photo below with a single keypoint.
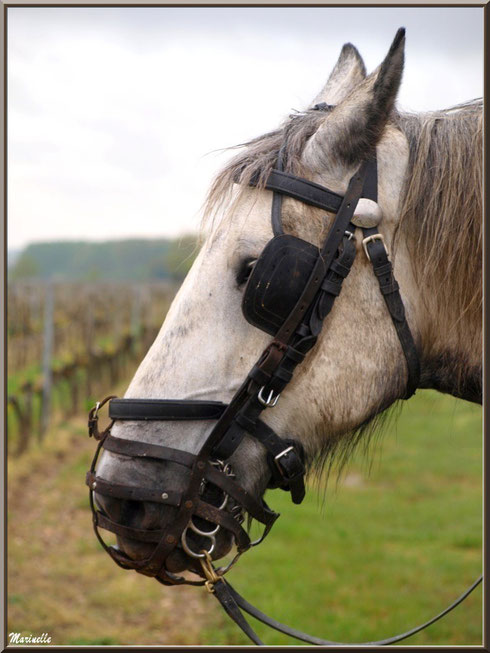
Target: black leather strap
[
  {"x": 276, "y": 211},
  {"x": 332, "y": 284},
  {"x": 138, "y": 449},
  {"x": 139, "y": 534},
  {"x": 297, "y": 634},
  {"x": 132, "y": 492},
  {"x": 327, "y": 253},
  {"x": 303, "y": 190},
  {"x": 388, "y": 285},
  {"x": 370, "y": 188},
  {"x": 228, "y": 603},
  {"x": 389, "y": 288},
  {"x": 306, "y": 332},
  {"x": 165, "y": 409}
]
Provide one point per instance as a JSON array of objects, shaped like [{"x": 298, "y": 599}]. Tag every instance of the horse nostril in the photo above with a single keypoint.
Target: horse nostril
[
  {"x": 122, "y": 511},
  {"x": 132, "y": 513},
  {"x": 108, "y": 506}
]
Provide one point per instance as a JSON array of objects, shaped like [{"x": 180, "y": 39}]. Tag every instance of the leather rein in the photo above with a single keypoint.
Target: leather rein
[{"x": 213, "y": 499}]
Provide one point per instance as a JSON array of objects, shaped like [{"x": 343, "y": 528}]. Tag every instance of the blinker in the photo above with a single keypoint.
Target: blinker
[{"x": 277, "y": 281}]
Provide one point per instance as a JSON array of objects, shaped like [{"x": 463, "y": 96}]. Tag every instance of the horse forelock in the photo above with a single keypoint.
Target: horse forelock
[{"x": 256, "y": 160}]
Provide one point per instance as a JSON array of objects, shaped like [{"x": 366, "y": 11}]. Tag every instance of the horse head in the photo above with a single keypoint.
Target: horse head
[{"x": 351, "y": 141}]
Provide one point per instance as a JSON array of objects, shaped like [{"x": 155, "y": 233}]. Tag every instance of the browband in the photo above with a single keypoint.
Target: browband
[{"x": 301, "y": 189}]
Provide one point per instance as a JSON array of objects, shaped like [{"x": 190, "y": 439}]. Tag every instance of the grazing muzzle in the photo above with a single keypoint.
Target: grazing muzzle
[
  {"x": 213, "y": 501},
  {"x": 290, "y": 291}
]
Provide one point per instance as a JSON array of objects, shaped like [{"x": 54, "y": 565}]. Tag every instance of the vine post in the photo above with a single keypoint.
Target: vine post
[{"x": 47, "y": 357}]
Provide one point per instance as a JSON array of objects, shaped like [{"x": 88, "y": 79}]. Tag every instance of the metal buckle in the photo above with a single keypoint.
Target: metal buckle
[
  {"x": 93, "y": 418},
  {"x": 271, "y": 401},
  {"x": 283, "y": 453},
  {"x": 370, "y": 239},
  {"x": 349, "y": 234}
]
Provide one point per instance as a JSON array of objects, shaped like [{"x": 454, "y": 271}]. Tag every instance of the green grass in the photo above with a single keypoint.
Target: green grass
[{"x": 387, "y": 548}]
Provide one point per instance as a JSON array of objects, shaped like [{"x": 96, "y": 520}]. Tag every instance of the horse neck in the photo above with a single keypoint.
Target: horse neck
[
  {"x": 441, "y": 218},
  {"x": 451, "y": 350}
]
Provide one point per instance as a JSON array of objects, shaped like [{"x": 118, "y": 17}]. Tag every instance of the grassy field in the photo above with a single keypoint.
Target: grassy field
[{"x": 388, "y": 547}]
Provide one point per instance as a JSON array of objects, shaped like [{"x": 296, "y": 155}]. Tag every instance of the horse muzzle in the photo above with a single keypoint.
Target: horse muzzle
[
  {"x": 140, "y": 525},
  {"x": 196, "y": 515}
]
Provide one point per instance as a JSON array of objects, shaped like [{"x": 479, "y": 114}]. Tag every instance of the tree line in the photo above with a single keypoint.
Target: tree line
[{"x": 115, "y": 260}]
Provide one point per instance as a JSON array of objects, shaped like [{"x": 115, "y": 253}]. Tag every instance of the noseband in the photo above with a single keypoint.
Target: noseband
[{"x": 291, "y": 308}]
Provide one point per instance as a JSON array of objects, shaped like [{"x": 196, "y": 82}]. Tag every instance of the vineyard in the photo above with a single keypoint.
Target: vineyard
[{"x": 68, "y": 343}]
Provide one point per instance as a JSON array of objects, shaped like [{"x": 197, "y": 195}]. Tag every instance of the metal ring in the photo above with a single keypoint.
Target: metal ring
[
  {"x": 223, "y": 503},
  {"x": 227, "y": 469},
  {"x": 205, "y": 533},
  {"x": 192, "y": 553},
  {"x": 225, "y": 500}
]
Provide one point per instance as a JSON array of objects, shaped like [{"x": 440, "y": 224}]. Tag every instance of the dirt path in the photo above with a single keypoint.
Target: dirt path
[{"x": 60, "y": 581}]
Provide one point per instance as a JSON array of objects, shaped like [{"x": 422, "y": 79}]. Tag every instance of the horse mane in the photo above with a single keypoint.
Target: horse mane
[
  {"x": 441, "y": 210},
  {"x": 440, "y": 222}
]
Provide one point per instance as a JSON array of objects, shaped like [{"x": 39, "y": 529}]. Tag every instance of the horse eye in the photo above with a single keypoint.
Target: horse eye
[{"x": 245, "y": 270}]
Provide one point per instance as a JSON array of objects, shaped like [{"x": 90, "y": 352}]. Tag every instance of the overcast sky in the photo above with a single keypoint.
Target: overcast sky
[{"x": 113, "y": 114}]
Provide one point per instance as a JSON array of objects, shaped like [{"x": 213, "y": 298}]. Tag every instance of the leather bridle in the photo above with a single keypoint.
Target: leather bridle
[{"x": 213, "y": 499}]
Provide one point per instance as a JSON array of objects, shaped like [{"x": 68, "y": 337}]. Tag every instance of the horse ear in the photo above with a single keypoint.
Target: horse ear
[
  {"x": 349, "y": 72},
  {"x": 352, "y": 129}
]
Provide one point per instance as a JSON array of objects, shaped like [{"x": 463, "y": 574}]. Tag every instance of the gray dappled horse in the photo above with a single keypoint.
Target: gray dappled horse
[{"x": 429, "y": 197}]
